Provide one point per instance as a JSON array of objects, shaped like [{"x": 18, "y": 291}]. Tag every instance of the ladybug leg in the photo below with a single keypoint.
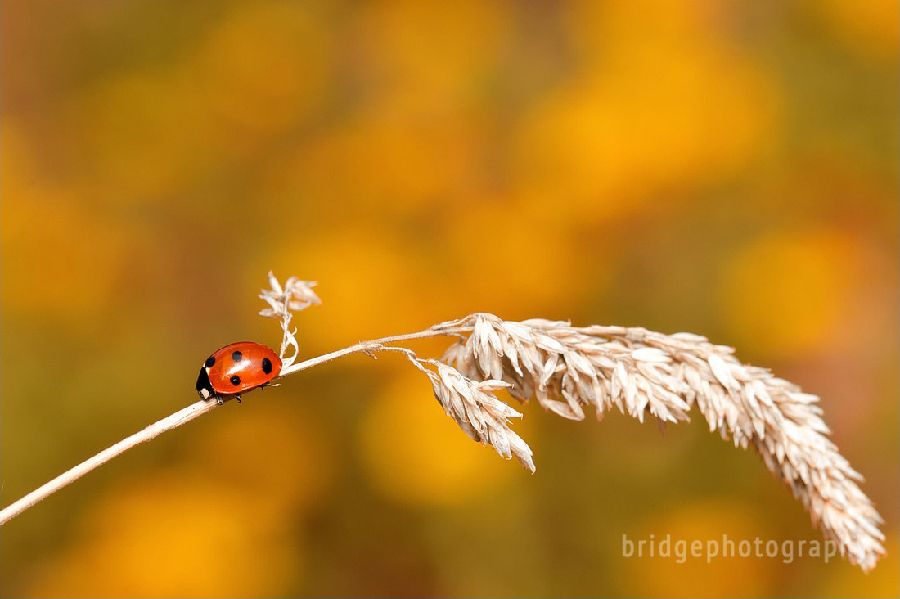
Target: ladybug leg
[
  {"x": 238, "y": 398},
  {"x": 219, "y": 400}
]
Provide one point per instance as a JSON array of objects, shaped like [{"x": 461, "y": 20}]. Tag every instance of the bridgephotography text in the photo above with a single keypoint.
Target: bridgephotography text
[{"x": 680, "y": 549}]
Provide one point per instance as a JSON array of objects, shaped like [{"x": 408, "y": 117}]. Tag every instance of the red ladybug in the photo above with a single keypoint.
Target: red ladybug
[{"x": 237, "y": 368}]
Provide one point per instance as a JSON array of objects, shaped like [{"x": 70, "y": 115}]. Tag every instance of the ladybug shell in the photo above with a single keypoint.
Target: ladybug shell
[{"x": 237, "y": 368}]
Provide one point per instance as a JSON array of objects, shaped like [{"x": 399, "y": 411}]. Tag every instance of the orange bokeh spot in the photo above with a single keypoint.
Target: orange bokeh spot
[
  {"x": 787, "y": 292},
  {"x": 272, "y": 455},
  {"x": 171, "y": 536},
  {"x": 60, "y": 262},
  {"x": 416, "y": 454}
]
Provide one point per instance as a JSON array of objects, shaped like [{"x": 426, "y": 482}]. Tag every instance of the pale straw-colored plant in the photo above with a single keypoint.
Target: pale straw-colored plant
[{"x": 567, "y": 369}]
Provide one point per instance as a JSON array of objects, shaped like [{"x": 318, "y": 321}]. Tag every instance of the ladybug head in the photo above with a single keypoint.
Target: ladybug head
[{"x": 204, "y": 387}]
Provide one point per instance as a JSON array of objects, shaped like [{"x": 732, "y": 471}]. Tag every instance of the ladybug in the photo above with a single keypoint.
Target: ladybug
[{"x": 237, "y": 368}]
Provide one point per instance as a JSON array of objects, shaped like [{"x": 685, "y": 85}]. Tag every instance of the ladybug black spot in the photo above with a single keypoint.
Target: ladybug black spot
[
  {"x": 237, "y": 356},
  {"x": 209, "y": 362},
  {"x": 267, "y": 365},
  {"x": 235, "y": 380}
]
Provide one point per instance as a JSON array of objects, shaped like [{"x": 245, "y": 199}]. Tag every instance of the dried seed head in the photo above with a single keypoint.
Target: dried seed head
[
  {"x": 473, "y": 405},
  {"x": 641, "y": 372},
  {"x": 294, "y": 296},
  {"x": 638, "y": 372}
]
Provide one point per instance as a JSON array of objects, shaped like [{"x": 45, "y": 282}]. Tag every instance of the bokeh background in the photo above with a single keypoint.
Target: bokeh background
[{"x": 727, "y": 168}]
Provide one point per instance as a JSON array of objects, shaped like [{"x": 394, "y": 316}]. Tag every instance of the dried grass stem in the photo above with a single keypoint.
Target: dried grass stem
[
  {"x": 567, "y": 369},
  {"x": 184, "y": 416}
]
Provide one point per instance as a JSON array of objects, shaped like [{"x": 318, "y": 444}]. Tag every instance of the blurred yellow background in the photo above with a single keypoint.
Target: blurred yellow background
[{"x": 724, "y": 168}]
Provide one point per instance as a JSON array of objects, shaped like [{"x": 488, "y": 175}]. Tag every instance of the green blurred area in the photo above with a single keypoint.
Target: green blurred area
[{"x": 724, "y": 168}]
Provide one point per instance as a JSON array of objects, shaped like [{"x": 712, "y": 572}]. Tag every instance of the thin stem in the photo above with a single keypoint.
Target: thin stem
[
  {"x": 187, "y": 414},
  {"x": 373, "y": 345},
  {"x": 180, "y": 417}
]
